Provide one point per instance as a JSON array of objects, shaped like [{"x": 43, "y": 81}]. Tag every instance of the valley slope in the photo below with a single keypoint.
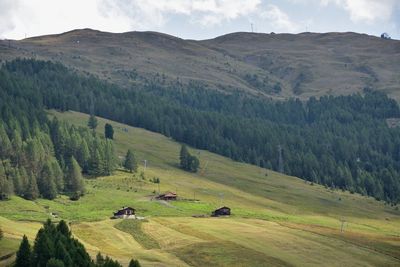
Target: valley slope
[{"x": 277, "y": 220}]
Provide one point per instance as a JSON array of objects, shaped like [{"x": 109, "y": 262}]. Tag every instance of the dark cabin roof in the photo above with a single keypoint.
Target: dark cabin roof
[
  {"x": 223, "y": 208},
  {"x": 124, "y": 209}
]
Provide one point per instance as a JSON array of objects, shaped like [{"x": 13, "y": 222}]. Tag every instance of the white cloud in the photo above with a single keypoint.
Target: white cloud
[
  {"x": 7, "y": 9},
  {"x": 144, "y": 13},
  {"x": 367, "y": 11},
  {"x": 39, "y": 17},
  {"x": 279, "y": 19}
]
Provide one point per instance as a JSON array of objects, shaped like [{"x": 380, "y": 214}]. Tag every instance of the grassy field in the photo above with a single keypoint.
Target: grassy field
[{"x": 277, "y": 220}]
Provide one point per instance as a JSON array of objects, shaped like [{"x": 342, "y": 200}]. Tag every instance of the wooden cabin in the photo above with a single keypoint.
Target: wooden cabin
[
  {"x": 167, "y": 196},
  {"x": 223, "y": 211},
  {"x": 125, "y": 212}
]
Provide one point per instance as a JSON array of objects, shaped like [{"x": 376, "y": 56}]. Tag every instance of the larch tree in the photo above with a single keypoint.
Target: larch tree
[
  {"x": 32, "y": 190},
  {"x": 75, "y": 180},
  {"x": 130, "y": 161},
  {"x": 92, "y": 123}
]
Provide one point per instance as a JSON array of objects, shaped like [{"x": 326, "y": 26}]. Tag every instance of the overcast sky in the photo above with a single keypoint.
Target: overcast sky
[{"x": 198, "y": 19}]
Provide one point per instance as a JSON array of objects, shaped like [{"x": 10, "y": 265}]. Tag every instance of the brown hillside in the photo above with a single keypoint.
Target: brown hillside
[{"x": 304, "y": 64}]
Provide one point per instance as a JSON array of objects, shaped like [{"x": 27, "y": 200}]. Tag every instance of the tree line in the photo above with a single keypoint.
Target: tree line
[{"x": 341, "y": 142}]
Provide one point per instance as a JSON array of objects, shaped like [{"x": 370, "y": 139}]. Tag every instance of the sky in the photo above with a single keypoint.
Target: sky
[{"x": 198, "y": 19}]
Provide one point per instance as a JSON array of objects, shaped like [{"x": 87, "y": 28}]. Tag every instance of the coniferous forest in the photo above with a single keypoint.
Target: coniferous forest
[
  {"x": 341, "y": 142},
  {"x": 41, "y": 157}
]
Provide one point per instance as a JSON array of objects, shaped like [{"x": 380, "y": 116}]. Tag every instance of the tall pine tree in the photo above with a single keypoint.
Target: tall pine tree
[
  {"x": 46, "y": 183},
  {"x": 24, "y": 254},
  {"x": 32, "y": 190},
  {"x": 75, "y": 183},
  {"x": 108, "y": 131}
]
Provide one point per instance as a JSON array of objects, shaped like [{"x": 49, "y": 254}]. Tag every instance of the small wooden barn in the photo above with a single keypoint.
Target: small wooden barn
[
  {"x": 124, "y": 212},
  {"x": 223, "y": 211},
  {"x": 167, "y": 196}
]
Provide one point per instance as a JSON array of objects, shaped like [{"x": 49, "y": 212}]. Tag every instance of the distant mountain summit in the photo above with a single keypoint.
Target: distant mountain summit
[{"x": 277, "y": 65}]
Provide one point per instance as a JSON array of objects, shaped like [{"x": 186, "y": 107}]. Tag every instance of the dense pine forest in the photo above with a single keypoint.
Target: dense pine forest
[
  {"x": 41, "y": 157},
  {"x": 341, "y": 142}
]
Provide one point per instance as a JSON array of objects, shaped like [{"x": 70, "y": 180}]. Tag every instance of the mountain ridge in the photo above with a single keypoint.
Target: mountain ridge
[{"x": 271, "y": 65}]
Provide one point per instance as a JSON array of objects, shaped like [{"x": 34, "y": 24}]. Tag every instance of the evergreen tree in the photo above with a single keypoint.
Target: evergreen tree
[
  {"x": 194, "y": 163},
  {"x": 62, "y": 254},
  {"x": 130, "y": 161},
  {"x": 92, "y": 123},
  {"x": 43, "y": 249},
  {"x": 58, "y": 175},
  {"x": 74, "y": 180},
  {"x": 5, "y": 144},
  {"x": 83, "y": 156},
  {"x": 63, "y": 229},
  {"x": 16, "y": 144},
  {"x": 96, "y": 164},
  {"x": 99, "y": 259},
  {"x": 46, "y": 183},
  {"x": 187, "y": 161},
  {"x": 184, "y": 157},
  {"x": 17, "y": 181},
  {"x": 23, "y": 254},
  {"x": 134, "y": 263},
  {"x": 5, "y": 184},
  {"x": 109, "y": 158},
  {"x": 32, "y": 190},
  {"x": 108, "y": 131}
]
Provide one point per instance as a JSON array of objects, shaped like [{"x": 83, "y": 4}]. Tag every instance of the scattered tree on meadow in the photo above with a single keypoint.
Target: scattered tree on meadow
[
  {"x": 92, "y": 123},
  {"x": 130, "y": 162},
  {"x": 187, "y": 161},
  {"x": 24, "y": 254},
  {"x": 108, "y": 131}
]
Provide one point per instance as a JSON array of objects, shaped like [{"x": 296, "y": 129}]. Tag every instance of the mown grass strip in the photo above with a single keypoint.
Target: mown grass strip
[{"x": 134, "y": 228}]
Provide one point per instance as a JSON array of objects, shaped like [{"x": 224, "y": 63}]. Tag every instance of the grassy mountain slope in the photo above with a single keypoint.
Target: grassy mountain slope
[
  {"x": 304, "y": 64},
  {"x": 277, "y": 220}
]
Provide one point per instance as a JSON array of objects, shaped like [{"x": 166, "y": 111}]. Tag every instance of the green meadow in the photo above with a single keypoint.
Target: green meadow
[{"x": 276, "y": 220}]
